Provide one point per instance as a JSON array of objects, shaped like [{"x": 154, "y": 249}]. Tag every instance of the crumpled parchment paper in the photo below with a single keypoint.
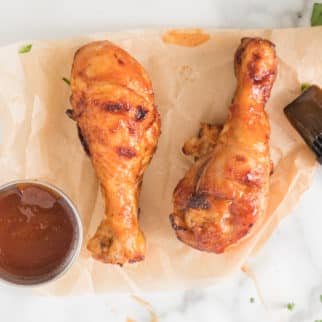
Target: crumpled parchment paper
[{"x": 192, "y": 85}]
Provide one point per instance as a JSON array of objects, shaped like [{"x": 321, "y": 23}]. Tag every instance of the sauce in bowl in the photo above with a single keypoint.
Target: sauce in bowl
[{"x": 39, "y": 233}]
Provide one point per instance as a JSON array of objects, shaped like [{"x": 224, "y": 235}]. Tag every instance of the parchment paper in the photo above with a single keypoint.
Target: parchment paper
[{"x": 191, "y": 85}]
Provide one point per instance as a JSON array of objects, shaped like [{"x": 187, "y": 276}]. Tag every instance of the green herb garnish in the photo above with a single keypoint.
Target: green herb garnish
[
  {"x": 290, "y": 306},
  {"x": 25, "y": 49},
  {"x": 305, "y": 86},
  {"x": 318, "y": 321},
  {"x": 321, "y": 298},
  {"x": 66, "y": 80},
  {"x": 251, "y": 300},
  {"x": 316, "y": 18}
]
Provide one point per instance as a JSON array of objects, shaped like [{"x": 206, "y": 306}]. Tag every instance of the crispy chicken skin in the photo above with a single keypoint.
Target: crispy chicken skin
[
  {"x": 225, "y": 192},
  {"x": 119, "y": 126}
]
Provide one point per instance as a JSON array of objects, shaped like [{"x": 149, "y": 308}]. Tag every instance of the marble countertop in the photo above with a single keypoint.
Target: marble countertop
[{"x": 289, "y": 267}]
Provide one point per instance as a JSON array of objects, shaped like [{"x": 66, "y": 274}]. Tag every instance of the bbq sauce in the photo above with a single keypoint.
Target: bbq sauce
[
  {"x": 185, "y": 37},
  {"x": 36, "y": 231}
]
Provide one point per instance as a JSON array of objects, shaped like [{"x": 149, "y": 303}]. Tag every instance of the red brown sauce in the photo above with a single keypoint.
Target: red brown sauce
[
  {"x": 185, "y": 37},
  {"x": 36, "y": 231}
]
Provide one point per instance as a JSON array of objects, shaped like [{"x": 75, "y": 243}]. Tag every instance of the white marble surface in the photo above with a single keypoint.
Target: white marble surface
[{"x": 288, "y": 269}]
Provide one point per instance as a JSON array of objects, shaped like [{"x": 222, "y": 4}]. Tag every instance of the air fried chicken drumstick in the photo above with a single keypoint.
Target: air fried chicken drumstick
[
  {"x": 119, "y": 126},
  {"x": 225, "y": 192}
]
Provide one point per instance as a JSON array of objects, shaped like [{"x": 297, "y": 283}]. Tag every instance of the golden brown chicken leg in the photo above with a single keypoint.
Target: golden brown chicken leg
[
  {"x": 119, "y": 126},
  {"x": 225, "y": 192}
]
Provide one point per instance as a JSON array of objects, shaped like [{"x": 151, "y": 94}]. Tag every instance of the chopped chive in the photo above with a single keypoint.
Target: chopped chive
[
  {"x": 66, "y": 80},
  {"x": 318, "y": 321},
  {"x": 316, "y": 18},
  {"x": 251, "y": 300},
  {"x": 25, "y": 49},
  {"x": 305, "y": 86},
  {"x": 290, "y": 306},
  {"x": 321, "y": 298}
]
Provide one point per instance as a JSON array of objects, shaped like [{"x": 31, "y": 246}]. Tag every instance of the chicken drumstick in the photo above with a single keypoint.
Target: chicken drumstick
[
  {"x": 225, "y": 192},
  {"x": 119, "y": 126}
]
